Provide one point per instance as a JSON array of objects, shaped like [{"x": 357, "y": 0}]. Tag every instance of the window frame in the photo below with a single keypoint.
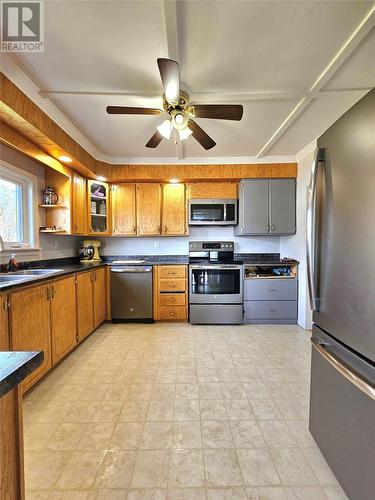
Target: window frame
[{"x": 29, "y": 206}]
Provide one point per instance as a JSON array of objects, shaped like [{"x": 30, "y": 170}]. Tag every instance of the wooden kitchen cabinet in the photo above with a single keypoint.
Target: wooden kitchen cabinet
[
  {"x": 63, "y": 317},
  {"x": 206, "y": 190},
  {"x": 85, "y": 305},
  {"x": 170, "y": 293},
  {"x": 173, "y": 210},
  {"x": 124, "y": 221},
  {"x": 148, "y": 198},
  {"x": 4, "y": 332},
  {"x": 31, "y": 328},
  {"x": 79, "y": 210},
  {"x": 99, "y": 296}
]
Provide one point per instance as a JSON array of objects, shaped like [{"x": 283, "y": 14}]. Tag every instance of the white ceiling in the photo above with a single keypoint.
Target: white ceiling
[{"x": 296, "y": 66}]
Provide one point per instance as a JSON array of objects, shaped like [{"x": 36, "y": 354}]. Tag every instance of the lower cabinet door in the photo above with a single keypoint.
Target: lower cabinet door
[
  {"x": 4, "y": 332},
  {"x": 99, "y": 296},
  {"x": 85, "y": 310},
  {"x": 63, "y": 317},
  {"x": 30, "y": 327}
]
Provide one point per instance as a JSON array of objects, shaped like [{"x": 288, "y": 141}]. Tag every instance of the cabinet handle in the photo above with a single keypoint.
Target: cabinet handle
[
  {"x": 165, "y": 229},
  {"x": 53, "y": 292},
  {"x": 134, "y": 230},
  {"x": 271, "y": 310},
  {"x": 172, "y": 313},
  {"x": 241, "y": 229},
  {"x": 272, "y": 289},
  {"x": 272, "y": 227},
  {"x": 48, "y": 293}
]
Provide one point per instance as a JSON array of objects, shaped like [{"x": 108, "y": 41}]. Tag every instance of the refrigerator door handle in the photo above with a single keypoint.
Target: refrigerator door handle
[
  {"x": 322, "y": 348},
  {"x": 310, "y": 227}
]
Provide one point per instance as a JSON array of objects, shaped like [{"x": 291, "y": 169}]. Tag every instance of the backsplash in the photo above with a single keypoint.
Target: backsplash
[{"x": 179, "y": 245}]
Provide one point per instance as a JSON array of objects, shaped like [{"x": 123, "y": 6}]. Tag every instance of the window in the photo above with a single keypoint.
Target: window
[{"x": 17, "y": 207}]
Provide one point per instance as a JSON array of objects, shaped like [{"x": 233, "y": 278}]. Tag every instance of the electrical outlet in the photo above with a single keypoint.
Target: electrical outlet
[
  {"x": 56, "y": 245},
  {"x": 156, "y": 243}
]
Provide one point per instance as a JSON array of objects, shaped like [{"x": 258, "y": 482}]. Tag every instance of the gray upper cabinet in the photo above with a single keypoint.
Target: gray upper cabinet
[
  {"x": 282, "y": 203},
  {"x": 253, "y": 207},
  {"x": 267, "y": 206}
]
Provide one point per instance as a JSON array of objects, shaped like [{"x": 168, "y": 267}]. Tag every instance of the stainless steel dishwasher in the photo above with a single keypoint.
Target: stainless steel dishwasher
[{"x": 131, "y": 293}]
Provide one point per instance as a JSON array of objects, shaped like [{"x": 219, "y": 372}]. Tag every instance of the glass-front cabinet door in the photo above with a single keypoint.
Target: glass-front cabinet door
[{"x": 98, "y": 207}]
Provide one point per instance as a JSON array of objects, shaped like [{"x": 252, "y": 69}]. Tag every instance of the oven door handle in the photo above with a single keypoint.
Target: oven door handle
[{"x": 218, "y": 266}]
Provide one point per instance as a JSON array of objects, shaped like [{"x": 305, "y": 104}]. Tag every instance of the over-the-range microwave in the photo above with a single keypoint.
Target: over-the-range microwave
[{"x": 212, "y": 212}]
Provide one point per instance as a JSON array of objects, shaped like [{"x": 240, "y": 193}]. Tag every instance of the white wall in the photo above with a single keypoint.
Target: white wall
[
  {"x": 180, "y": 245},
  {"x": 295, "y": 246}
]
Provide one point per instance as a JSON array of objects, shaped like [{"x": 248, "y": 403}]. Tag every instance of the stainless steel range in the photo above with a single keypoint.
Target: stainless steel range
[{"x": 215, "y": 283}]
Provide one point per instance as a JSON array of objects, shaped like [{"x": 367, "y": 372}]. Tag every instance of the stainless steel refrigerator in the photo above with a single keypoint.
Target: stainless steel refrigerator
[{"x": 341, "y": 275}]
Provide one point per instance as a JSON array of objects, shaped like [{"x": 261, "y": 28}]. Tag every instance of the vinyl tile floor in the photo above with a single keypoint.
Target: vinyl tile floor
[{"x": 177, "y": 412}]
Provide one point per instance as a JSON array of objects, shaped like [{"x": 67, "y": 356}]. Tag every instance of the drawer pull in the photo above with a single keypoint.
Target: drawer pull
[
  {"x": 172, "y": 313},
  {"x": 272, "y": 290},
  {"x": 271, "y": 310}
]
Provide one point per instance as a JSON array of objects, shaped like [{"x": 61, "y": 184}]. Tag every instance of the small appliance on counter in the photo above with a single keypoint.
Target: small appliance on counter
[
  {"x": 215, "y": 283},
  {"x": 89, "y": 253}
]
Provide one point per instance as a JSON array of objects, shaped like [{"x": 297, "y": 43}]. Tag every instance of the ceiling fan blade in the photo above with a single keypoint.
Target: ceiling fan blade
[
  {"x": 200, "y": 135},
  {"x": 155, "y": 140},
  {"x": 218, "y": 111},
  {"x": 127, "y": 110},
  {"x": 170, "y": 77}
]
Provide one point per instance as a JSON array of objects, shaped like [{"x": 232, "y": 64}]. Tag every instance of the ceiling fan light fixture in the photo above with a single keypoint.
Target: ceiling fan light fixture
[
  {"x": 165, "y": 129},
  {"x": 184, "y": 133}
]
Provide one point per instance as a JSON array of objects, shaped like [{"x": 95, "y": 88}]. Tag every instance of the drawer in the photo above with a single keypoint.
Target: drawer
[
  {"x": 270, "y": 309},
  {"x": 172, "y": 271},
  {"x": 172, "y": 299},
  {"x": 172, "y": 313},
  {"x": 270, "y": 289},
  {"x": 172, "y": 285}
]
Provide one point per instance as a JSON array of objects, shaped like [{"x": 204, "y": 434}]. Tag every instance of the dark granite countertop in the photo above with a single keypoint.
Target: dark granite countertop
[
  {"x": 67, "y": 268},
  {"x": 15, "y": 366},
  {"x": 155, "y": 260},
  {"x": 265, "y": 259},
  {"x": 73, "y": 265}
]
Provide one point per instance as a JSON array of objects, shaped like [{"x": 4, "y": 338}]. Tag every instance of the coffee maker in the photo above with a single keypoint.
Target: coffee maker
[{"x": 89, "y": 252}]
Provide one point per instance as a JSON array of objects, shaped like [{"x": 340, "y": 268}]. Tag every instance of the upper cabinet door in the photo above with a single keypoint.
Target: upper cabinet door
[
  {"x": 123, "y": 210},
  {"x": 79, "y": 205},
  {"x": 253, "y": 207},
  {"x": 148, "y": 209},
  {"x": 282, "y": 206},
  {"x": 173, "y": 210},
  {"x": 98, "y": 196}
]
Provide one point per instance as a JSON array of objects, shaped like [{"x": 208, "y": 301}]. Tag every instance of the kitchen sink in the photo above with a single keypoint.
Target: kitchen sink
[
  {"x": 11, "y": 279},
  {"x": 25, "y": 275},
  {"x": 8, "y": 278},
  {"x": 36, "y": 272}
]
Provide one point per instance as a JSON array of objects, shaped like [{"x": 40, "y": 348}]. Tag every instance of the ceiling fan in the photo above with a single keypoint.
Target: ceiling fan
[{"x": 180, "y": 112}]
